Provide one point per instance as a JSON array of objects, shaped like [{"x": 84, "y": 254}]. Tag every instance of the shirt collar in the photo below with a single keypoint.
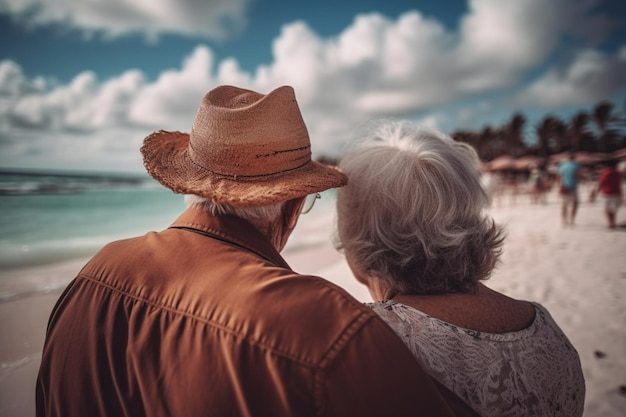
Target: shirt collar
[{"x": 230, "y": 229}]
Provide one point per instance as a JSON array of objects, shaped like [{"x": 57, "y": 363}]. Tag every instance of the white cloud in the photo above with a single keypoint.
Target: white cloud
[
  {"x": 591, "y": 76},
  {"x": 83, "y": 104},
  {"x": 75, "y": 125},
  {"x": 14, "y": 83},
  {"x": 380, "y": 67},
  {"x": 377, "y": 67},
  {"x": 213, "y": 19},
  {"x": 171, "y": 101},
  {"x": 115, "y": 99}
]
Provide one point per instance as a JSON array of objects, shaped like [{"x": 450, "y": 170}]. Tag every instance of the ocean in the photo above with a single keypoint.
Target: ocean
[
  {"x": 52, "y": 217},
  {"x": 48, "y": 217}
]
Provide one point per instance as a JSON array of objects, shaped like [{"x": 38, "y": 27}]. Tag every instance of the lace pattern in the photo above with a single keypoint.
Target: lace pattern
[{"x": 532, "y": 372}]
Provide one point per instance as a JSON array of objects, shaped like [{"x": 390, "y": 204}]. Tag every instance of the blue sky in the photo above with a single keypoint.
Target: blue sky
[{"x": 82, "y": 83}]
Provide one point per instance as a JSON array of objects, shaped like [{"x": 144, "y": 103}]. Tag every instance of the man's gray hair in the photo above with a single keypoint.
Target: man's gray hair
[
  {"x": 270, "y": 212},
  {"x": 412, "y": 213}
]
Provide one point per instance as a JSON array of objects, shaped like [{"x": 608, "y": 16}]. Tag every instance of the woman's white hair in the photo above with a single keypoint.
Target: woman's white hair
[
  {"x": 412, "y": 213},
  {"x": 270, "y": 212}
]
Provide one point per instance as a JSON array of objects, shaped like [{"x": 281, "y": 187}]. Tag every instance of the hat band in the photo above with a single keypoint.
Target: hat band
[{"x": 301, "y": 161}]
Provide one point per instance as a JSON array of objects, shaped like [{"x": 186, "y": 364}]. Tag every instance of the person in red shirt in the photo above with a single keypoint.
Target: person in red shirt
[{"x": 610, "y": 186}]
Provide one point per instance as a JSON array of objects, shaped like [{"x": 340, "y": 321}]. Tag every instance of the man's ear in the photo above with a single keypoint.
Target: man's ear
[{"x": 291, "y": 211}]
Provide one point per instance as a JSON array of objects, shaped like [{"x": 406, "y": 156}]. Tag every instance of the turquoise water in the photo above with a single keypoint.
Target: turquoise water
[
  {"x": 50, "y": 218},
  {"x": 46, "y": 218}
]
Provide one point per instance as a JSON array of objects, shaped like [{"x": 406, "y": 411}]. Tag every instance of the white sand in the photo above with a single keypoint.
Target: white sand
[{"x": 578, "y": 273}]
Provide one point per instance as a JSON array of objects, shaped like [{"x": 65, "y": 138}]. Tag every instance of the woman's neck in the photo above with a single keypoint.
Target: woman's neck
[{"x": 484, "y": 310}]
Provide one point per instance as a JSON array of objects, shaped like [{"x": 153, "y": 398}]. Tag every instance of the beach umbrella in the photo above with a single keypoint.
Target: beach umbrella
[
  {"x": 619, "y": 154},
  {"x": 524, "y": 163},
  {"x": 501, "y": 163},
  {"x": 588, "y": 158},
  {"x": 584, "y": 158},
  {"x": 559, "y": 157}
]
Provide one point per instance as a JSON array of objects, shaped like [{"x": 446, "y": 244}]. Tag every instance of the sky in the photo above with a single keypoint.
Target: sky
[{"x": 82, "y": 83}]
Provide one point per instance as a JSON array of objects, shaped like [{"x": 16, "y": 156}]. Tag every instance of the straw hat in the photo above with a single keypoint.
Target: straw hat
[{"x": 244, "y": 149}]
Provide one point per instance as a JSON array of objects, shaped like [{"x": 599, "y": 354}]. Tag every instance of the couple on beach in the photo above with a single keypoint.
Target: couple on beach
[{"x": 206, "y": 317}]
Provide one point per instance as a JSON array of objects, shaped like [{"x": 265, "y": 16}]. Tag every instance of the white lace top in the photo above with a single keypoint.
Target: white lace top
[{"x": 532, "y": 372}]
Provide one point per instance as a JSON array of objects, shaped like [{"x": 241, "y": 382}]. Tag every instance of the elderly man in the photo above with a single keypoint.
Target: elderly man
[{"x": 205, "y": 317}]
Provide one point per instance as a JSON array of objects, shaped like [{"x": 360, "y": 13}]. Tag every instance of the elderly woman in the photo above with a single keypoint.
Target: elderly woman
[{"x": 411, "y": 223}]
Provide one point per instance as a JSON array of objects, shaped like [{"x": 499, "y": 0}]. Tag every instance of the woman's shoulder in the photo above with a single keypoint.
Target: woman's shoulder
[
  {"x": 464, "y": 360},
  {"x": 409, "y": 322},
  {"x": 408, "y": 318}
]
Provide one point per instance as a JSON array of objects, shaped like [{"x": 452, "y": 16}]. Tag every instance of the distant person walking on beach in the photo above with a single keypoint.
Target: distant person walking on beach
[
  {"x": 412, "y": 226},
  {"x": 537, "y": 185},
  {"x": 206, "y": 317},
  {"x": 569, "y": 174},
  {"x": 610, "y": 186}
]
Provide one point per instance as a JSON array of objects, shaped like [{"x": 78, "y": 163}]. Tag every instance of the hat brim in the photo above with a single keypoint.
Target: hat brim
[{"x": 167, "y": 160}]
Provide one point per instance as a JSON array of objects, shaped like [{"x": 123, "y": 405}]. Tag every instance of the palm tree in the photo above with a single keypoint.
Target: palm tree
[
  {"x": 513, "y": 135},
  {"x": 602, "y": 116},
  {"x": 490, "y": 144},
  {"x": 561, "y": 140},
  {"x": 467, "y": 136},
  {"x": 548, "y": 131},
  {"x": 578, "y": 131},
  {"x": 481, "y": 142}
]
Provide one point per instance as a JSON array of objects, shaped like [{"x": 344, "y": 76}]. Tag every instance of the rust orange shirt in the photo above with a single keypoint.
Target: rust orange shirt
[{"x": 177, "y": 323}]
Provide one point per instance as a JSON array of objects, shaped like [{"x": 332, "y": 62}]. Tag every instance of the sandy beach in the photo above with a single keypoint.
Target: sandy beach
[{"x": 578, "y": 273}]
